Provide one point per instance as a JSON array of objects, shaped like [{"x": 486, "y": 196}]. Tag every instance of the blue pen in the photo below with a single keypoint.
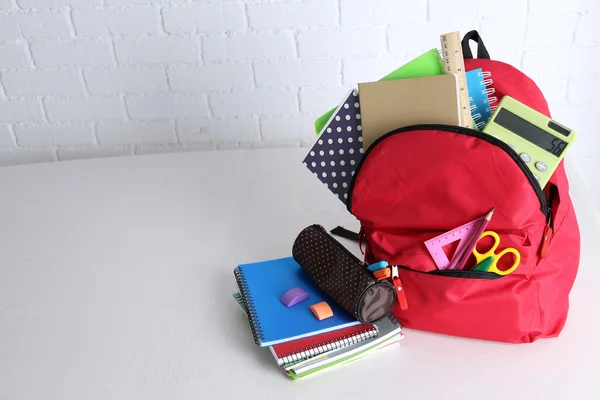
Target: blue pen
[{"x": 378, "y": 266}]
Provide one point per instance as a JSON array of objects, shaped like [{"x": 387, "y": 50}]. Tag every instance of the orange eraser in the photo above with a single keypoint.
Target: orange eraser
[
  {"x": 321, "y": 310},
  {"x": 382, "y": 274}
]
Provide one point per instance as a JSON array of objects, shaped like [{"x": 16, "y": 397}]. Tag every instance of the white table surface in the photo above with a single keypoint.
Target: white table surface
[{"x": 116, "y": 281}]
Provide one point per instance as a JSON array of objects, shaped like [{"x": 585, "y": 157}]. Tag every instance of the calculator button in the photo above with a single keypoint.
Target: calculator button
[
  {"x": 537, "y": 178},
  {"x": 525, "y": 157},
  {"x": 541, "y": 166}
]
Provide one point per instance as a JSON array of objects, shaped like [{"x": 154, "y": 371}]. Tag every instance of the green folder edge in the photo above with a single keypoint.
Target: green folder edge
[
  {"x": 428, "y": 64},
  {"x": 348, "y": 359},
  {"x": 291, "y": 375}
]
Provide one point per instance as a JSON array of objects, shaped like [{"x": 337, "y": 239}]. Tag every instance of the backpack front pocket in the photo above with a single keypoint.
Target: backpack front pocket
[{"x": 504, "y": 309}]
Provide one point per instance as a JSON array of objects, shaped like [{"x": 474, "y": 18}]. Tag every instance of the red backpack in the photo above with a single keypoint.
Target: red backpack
[{"x": 417, "y": 182}]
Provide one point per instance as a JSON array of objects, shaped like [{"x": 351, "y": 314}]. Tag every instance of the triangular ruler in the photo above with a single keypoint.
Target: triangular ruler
[{"x": 463, "y": 233}]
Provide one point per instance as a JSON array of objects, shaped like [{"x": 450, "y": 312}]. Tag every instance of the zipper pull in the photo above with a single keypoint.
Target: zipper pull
[
  {"x": 400, "y": 293},
  {"x": 361, "y": 235},
  {"x": 548, "y": 233}
]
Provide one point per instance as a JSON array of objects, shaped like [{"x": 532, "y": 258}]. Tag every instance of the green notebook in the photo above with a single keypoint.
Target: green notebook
[
  {"x": 428, "y": 64},
  {"x": 365, "y": 353}
]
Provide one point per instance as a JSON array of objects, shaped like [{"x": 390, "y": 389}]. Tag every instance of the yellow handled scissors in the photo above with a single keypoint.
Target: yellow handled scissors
[{"x": 488, "y": 261}]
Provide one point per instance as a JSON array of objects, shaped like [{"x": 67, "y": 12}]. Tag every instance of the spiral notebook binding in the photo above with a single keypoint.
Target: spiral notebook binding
[
  {"x": 329, "y": 345},
  {"x": 492, "y": 108},
  {"x": 481, "y": 114},
  {"x": 250, "y": 308},
  {"x": 488, "y": 82}
]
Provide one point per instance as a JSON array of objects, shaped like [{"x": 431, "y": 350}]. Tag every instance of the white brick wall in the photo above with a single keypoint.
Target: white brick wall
[
  {"x": 66, "y": 82},
  {"x": 72, "y": 53},
  {"x": 46, "y": 24},
  {"x": 117, "y": 22},
  {"x": 157, "y": 50},
  {"x": 176, "y": 106},
  {"x": 130, "y": 80},
  {"x": 206, "y": 18},
  {"x": 95, "y": 78}
]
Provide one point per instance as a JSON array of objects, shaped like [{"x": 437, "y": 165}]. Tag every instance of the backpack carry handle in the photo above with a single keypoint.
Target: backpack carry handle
[{"x": 481, "y": 50}]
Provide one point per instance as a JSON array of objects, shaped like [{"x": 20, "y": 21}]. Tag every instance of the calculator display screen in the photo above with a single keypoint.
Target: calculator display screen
[{"x": 530, "y": 132}]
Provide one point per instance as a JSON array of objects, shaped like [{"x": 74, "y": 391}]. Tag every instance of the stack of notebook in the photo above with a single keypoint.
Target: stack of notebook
[{"x": 302, "y": 345}]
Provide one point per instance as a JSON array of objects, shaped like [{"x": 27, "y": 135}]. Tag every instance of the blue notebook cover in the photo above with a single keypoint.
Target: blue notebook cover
[
  {"x": 478, "y": 98},
  {"x": 262, "y": 284}
]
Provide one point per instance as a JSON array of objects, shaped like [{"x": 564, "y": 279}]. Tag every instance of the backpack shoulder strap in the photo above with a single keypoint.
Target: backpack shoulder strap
[{"x": 481, "y": 50}]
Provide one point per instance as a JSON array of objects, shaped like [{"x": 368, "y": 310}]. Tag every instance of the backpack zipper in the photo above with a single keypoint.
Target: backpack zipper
[
  {"x": 463, "y": 131},
  {"x": 457, "y": 273}
]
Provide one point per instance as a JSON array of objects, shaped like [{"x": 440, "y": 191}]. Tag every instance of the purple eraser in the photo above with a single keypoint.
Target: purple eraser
[{"x": 293, "y": 297}]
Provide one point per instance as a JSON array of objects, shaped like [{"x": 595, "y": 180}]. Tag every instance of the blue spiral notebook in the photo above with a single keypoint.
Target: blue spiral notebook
[
  {"x": 262, "y": 284},
  {"x": 478, "y": 83}
]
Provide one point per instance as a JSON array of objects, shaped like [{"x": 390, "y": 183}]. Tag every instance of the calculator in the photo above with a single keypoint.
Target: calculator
[{"x": 538, "y": 140}]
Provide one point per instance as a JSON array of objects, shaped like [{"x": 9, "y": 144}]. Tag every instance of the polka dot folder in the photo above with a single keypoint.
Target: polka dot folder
[{"x": 338, "y": 149}]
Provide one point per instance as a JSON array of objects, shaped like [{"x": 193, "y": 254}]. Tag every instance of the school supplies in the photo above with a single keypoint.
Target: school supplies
[
  {"x": 321, "y": 310},
  {"x": 484, "y": 266},
  {"x": 382, "y": 274},
  {"x": 293, "y": 297},
  {"x": 463, "y": 256},
  {"x": 342, "y": 276},
  {"x": 310, "y": 347},
  {"x": 389, "y": 105},
  {"x": 334, "y": 156},
  {"x": 538, "y": 140},
  {"x": 376, "y": 266},
  {"x": 466, "y": 235},
  {"x": 491, "y": 253},
  {"x": 481, "y": 97},
  {"x": 391, "y": 343},
  {"x": 454, "y": 63},
  {"x": 387, "y": 329},
  {"x": 330, "y": 348},
  {"x": 427, "y": 64},
  {"x": 261, "y": 285}
]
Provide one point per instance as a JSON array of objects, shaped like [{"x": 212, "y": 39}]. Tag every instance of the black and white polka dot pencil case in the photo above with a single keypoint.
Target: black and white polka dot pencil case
[{"x": 342, "y": 276}]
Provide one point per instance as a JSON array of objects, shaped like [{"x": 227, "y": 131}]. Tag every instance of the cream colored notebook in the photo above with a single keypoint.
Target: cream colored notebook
[{"x": 389, "y": 105}]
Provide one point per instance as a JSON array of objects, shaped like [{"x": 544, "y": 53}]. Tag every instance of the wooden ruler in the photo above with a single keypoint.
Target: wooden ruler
[{"x": 454, "y": 63}]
